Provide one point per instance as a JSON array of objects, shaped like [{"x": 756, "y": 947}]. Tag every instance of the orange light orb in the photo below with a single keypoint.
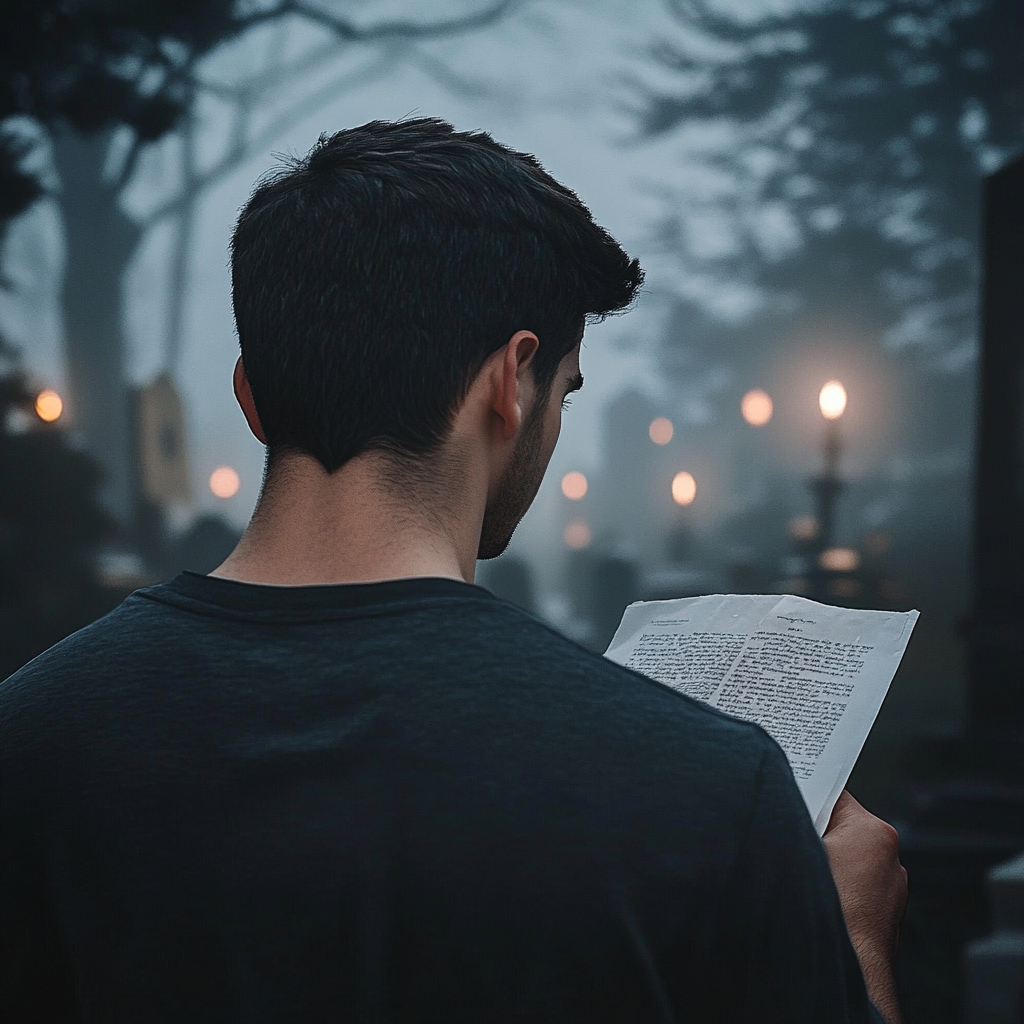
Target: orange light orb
[
  {"x": 840, "y": 560},
  {"x": 224, "y": 482},
  {"x": 661, "y": 430},
  {"x": 832, "y": 400},
  {"x": 577, "y": 535},
  {"x": 684, "y": 488},
  {"x": 803, "y": 528},
  {"x": 49, "y": 406},
  {"x": 757, "y": 407},
  {"x": 574, "y": 485}
]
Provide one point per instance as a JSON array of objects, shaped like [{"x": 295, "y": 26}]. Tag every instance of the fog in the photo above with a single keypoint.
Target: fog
[
  {"x": 802, "y": 183},
  {"x": 736, "y": 297}
]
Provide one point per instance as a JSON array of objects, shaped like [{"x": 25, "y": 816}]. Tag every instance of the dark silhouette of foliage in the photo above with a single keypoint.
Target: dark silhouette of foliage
[
  {"x": 84, "y": 68},
  {"x": 88, "y": 70},
  {"x": 51, "y": 525},
  {"x": 93, "y": 64},
  {"x": 866, "y": 126}
]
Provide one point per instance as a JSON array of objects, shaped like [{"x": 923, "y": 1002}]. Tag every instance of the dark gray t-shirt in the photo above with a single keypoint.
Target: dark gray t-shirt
[{"x": 402, "y": 801}]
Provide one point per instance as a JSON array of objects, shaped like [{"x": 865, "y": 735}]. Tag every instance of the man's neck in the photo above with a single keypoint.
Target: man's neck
[{"x": 363, "y": 523}]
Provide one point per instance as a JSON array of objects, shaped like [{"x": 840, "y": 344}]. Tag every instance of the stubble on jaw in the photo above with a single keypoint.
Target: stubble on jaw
[{"x": 518, "y": 487}]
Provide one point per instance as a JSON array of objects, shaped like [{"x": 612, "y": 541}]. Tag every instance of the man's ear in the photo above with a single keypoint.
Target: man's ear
[
  {"x": 515, "y": 384},
  {"x": 243, "y": 394}
]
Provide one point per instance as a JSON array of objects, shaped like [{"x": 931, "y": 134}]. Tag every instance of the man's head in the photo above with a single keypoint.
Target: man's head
[{"x": 372, "y": 279}]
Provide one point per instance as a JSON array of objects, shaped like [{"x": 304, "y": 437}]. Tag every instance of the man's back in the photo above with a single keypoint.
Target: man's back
[{"x": 393, "y": 802}]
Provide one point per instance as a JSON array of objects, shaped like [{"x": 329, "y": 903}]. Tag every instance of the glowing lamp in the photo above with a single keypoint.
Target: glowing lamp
[
  {"x": 832, "y": 400},
  {"x": 684, "y": 488}
]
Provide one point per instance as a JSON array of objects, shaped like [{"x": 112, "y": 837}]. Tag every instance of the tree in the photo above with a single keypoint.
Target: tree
[
  {"x": 51, "y": 524},
  {"x": 833, "y": 218},
  {"x": 109, "y": 77},
  {"x": 857, "y": 135}
]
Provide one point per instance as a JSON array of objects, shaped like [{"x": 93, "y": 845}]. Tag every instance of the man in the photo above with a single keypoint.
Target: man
[{"x": 335, "y": 780}]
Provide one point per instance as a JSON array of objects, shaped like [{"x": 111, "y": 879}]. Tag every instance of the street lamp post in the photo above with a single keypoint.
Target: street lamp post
[{"x": 828, "y": 486}]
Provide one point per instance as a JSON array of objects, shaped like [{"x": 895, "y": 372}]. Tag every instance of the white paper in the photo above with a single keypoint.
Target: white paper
[{"x": 812, "y": 675}]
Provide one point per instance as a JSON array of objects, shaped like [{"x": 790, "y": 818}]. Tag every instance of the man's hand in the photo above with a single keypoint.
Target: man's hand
[{"x": 863, "y": 852}]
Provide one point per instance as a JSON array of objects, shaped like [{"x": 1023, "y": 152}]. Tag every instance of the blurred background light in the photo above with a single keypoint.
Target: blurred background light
[
  {"x": 49, "y": 406},
  {"x": 684, "y": 488},
  {"x": 224, "y": 482},
  {"x": 832, "y": 400},
  {"x": 803, "y": 528},
  {"x": 757, "y": 407},
  {"x": 661, "y": 430},
  {"x": 577, "y": 535},
  {"x": 839, "y": 559},
  {"x": 574, "y": 485}
]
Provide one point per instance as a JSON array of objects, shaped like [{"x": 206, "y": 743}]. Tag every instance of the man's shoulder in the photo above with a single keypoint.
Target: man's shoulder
[
  {"x": 92, "y": 650},
  {"x": 538, "y": 655},
  {"x": 478, "y": 644},
  {"x": 535, "y": 637},
  {"x": 646, "y": 760}
]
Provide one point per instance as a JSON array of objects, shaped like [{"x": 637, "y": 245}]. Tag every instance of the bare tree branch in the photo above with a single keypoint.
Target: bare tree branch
[
  {"x": 240, "y": 152},
  {"x": 405, "y": 29},
  {"x": 185, "y": 73},
  {"x": 457, "y": 84},
  {"x": 699, "y": 14},
  {"x": 265, "y": 80},
  {"x": 130, "y": 160},
  {"x": 247, "y": 94},
  {"x": 692, "y": 11}
]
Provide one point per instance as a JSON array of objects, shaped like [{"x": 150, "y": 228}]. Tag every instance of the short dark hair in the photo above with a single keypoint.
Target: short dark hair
[{"x": 373, "y": 278}]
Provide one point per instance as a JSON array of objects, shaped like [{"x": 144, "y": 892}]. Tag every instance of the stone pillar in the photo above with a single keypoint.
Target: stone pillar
[{"x": 996, "y": 653}]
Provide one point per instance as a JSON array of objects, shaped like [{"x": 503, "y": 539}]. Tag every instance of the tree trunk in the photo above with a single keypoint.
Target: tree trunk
[{"x": 101, "y": 240}]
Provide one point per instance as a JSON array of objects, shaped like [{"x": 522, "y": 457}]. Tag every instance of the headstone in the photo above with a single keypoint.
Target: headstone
[{"x": 994, "y": 965}]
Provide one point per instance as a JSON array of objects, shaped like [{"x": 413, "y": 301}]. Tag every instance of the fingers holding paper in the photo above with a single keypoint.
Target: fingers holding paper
[{"x": 863, "y": 853}]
